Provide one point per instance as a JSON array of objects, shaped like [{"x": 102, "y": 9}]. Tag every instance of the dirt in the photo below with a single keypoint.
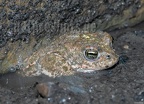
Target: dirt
[{"x": 122, "y": 84}]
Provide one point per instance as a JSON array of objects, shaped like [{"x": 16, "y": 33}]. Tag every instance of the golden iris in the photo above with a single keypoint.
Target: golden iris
[{"x": 91, "y": 54}]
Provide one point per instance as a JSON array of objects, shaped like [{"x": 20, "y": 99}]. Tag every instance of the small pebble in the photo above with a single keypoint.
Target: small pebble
[
  {"x": 126, "y": 47},
  {"x": 45, "y": 89},
  {"x": 42, "y": 89}
]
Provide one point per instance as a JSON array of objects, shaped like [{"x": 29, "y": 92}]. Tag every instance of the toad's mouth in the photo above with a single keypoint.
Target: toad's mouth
[{"x": 85, "y": 70}]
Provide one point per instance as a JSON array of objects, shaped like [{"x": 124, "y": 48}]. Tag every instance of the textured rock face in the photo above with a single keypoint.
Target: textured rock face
[{"x": 20, "y": 19}]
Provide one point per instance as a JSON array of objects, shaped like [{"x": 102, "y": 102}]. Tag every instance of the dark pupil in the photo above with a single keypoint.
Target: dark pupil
[{"x": 91, "y": 54}]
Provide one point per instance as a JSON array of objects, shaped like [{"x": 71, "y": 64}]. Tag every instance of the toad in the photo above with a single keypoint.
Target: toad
[{"x": 64, "y": 55}]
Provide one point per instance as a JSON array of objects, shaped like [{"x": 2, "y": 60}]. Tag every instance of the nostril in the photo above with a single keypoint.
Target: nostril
[{"x": 108, "y": 57}]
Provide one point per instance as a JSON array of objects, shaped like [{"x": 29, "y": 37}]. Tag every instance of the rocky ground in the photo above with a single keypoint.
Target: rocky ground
[{"x": 122, "y": 84}]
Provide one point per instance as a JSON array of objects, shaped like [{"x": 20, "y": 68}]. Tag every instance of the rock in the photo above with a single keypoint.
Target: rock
[
  {"x": 42, "y": 89},
  {"x": 126, "y": 46},
  {"x": 58, "y": 16}
]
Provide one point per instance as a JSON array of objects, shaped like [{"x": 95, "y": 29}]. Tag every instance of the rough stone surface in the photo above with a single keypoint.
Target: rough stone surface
[{"x": 20, "y": 19}]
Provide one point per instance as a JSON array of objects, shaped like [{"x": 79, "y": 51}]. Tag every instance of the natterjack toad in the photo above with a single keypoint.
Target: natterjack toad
[{"x": 66, "y": 54}]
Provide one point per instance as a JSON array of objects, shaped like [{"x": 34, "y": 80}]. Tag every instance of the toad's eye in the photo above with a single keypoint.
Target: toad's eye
[{"x": 91, "y": 54}]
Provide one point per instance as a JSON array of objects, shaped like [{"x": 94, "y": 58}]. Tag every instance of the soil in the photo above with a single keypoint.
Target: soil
[{"x": 121, "y": 84}]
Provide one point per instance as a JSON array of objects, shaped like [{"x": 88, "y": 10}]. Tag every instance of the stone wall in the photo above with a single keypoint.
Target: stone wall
[{"x": 21, "y": 18}]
